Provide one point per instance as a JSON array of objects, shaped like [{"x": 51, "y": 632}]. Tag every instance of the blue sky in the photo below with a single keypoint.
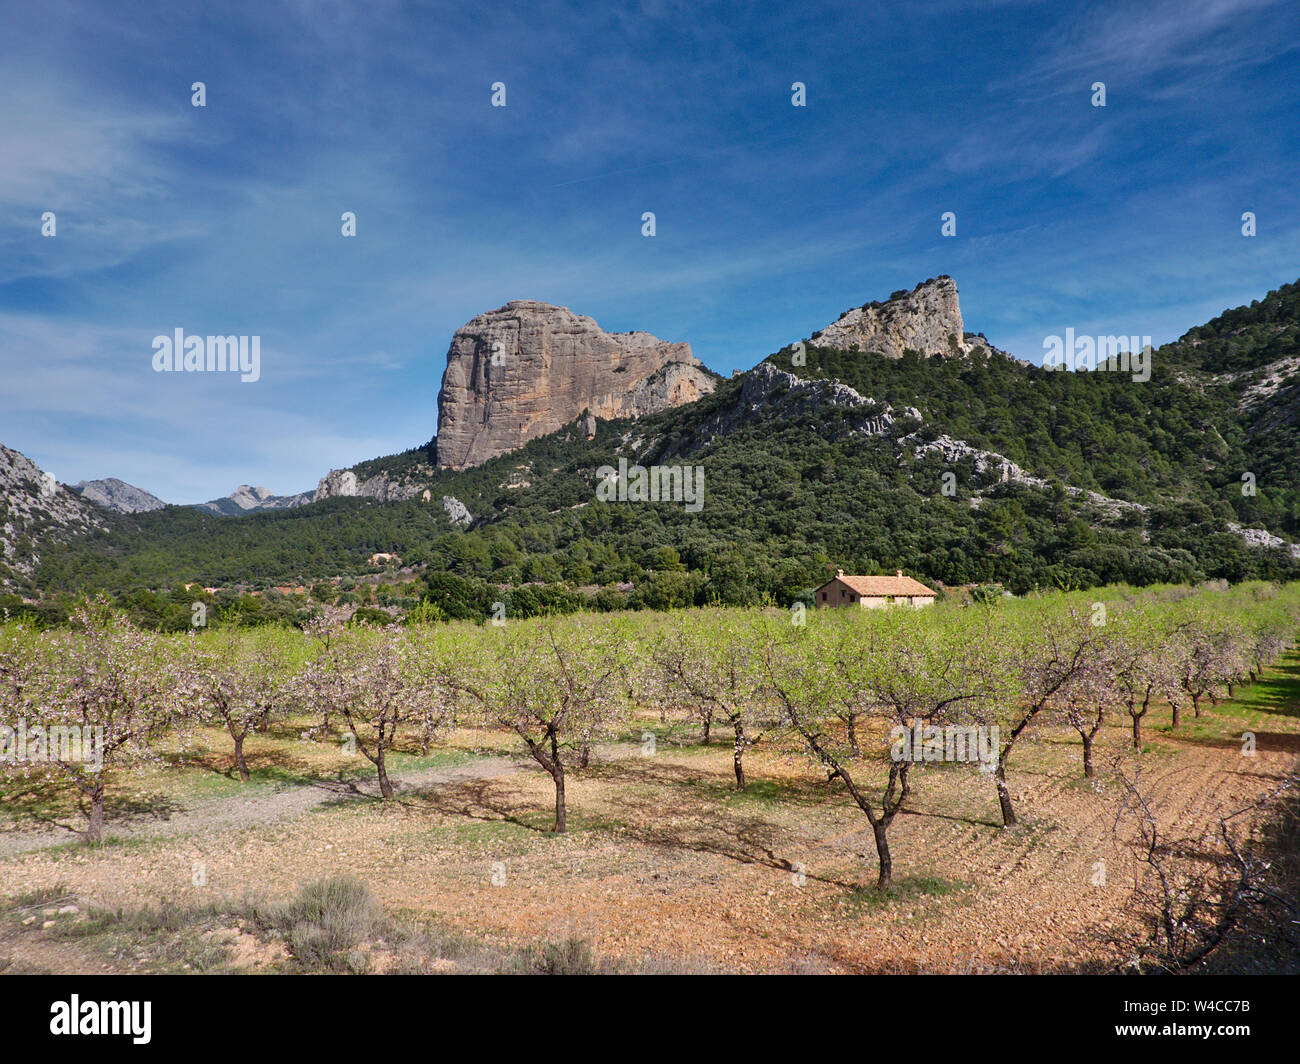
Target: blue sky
[{"x": 771, "y": 219}]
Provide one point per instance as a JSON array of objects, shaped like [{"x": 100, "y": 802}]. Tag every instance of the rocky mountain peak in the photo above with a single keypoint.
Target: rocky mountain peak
[
  {"x": 529, "y": 368},
  {"x": 927, "y": 320},
  {"x": 248, "y": 499},
  {"x": 114, "y": 494}
]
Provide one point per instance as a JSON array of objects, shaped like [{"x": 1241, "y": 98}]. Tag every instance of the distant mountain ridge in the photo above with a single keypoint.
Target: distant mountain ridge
[
  {"x": 118, "y": 495},
  {"x": 246, "y": 499},
  {"x": 123, "y": 498}
]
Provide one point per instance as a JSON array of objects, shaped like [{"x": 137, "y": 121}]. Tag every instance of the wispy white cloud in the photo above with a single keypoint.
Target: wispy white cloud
[{"x": 1157, "y": 43}]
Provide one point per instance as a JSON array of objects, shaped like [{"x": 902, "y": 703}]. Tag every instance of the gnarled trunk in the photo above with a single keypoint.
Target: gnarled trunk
[
  {"x": 878, "y": 829},
  {"x": 557, "y": 774},
  {"x": 738, "y": 757},
  {"x": 558, "y": 777},
  {"x": 1004, "y": 795},
  {"x": 240, "y": 763},
  {"x": 385, "y": 787},
  {"x": 95, "y": 829}
]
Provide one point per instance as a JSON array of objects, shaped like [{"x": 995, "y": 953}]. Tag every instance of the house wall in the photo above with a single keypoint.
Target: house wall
[{"x": 838, "y": 594}]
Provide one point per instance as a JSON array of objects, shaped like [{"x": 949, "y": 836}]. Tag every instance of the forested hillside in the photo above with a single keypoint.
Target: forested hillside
[{"x": 793, "y": 490}]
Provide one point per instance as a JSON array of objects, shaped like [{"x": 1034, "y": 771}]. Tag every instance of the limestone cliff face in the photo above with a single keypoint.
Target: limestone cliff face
[
  {"x": 345, "y": 483},
  {"x": 530, "y": 368},
  {"x": 926, "y": 319},
  {"x": 35, "y": 509}
]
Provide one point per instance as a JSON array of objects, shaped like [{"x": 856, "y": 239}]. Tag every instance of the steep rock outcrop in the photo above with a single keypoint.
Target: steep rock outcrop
[
  {"x": 926, "y": 319},
  {"x": 344, "y": 483},
  {"x": 118, "y": 495},
  {"x": 457, "y": 512},
  {"x": 529, "y": 368}
]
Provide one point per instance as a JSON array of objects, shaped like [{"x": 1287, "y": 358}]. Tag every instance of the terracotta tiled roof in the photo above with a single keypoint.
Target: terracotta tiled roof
[{"x": 873, "y": 586}]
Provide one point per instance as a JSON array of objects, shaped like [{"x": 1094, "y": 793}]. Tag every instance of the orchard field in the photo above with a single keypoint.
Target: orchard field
[{"x": 699, "y": 790}]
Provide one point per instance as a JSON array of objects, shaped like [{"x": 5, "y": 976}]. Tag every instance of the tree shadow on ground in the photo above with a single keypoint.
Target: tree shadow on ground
[
  {"x": 475, "y": 799},
  {"x": 52, "y": 803},
  {"x": 264, "y": 766}
]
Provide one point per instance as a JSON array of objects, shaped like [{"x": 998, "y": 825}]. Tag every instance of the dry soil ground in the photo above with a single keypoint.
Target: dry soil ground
[{"x": 663, "y": 859}]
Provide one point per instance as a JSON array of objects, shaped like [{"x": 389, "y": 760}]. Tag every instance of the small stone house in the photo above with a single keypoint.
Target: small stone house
[{"x": 873, "y": 592}]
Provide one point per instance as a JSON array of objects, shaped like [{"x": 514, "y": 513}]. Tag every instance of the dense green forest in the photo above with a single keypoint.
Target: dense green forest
[{"x": 791, "y": 495}]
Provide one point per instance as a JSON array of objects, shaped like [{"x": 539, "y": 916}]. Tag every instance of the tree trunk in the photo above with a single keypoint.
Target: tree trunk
[
  {"x": 95, "y": 829},
  {"x": 1137, "y": 732},
  {"x": 708, "y": 723},
  {"x": 738, "y": 757},
  {"x": 240, "y": 763},
  {"x": 1174, "y": 722},
  {"x": 584, "y": 758},
  {"x": 385, "y": 787},
  {"x": 1088, "y": 770},
  {"x": 853, "y": 735},
  {"x": 558, "y": 776},
  {"x": 1196, "y": 704},
  {"x": 1004, "y": 796},
  {"x": 882, "y": 851}
]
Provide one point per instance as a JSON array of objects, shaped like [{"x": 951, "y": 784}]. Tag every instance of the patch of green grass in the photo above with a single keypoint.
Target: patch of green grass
[
  {"x": 759, "y": 791},
  {"x": 674, "y": 733},
  {"x": 1098, "y": 784},
  {"x": 209, "y": 785},
  {"x": 399, "y": 761},
  {"x": 79, "y": 847},
  {"x": 280, "y": 777},
  {"x": 909, "y": 888},
  {"x": 1277, "y": 691},
  {"x": 484, "y": 832}
]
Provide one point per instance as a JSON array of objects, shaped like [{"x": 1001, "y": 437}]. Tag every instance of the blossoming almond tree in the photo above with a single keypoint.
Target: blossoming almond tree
[
  {"x": 795, "y": 674},
  {"x": 1144, "y": 663},
  {"x": 555, "y": 684},
  {"x": 105, "y": 677},
  {"x": 918, "y": 669},
  {"x": 1038, "y": 651},
  {"x": 379, "y": 684},
  {"x": 242, "y": 683},
  {"x": 709, "y": 667}
]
